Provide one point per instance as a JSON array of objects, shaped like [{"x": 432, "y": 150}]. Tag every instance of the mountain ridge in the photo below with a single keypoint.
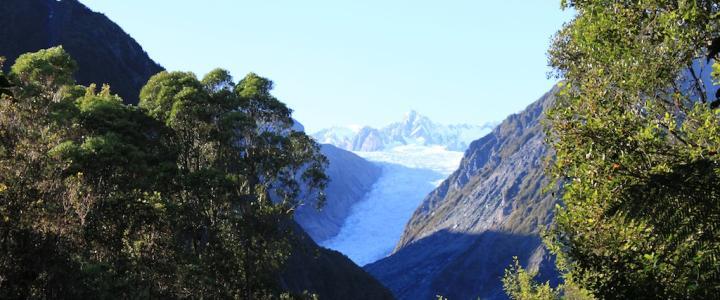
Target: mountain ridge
[
  {"x": 490, "y": 209},
  {"x": 413, "y": 129}
]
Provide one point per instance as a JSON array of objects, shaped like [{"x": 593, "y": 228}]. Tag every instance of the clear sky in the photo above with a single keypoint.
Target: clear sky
[{"x": 364, "y": 62}]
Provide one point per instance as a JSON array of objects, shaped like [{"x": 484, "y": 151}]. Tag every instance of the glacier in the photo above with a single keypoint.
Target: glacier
[{"x": 375, "y": 224}]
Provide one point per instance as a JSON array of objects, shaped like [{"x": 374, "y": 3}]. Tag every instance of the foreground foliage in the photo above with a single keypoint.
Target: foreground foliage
[
  {"x": 636, "y": 132},
  {"x": 188, "y": 195}
]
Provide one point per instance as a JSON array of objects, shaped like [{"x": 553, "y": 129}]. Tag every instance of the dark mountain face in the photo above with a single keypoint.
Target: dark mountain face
[
  {"x": 104, "y": 52},
  {"x": 328, "y": 273},
  {"x": 465, "y": 233}
]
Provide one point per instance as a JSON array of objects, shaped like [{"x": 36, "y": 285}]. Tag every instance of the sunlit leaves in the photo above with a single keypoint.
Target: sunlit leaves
[{"x": 636, "y": 140}]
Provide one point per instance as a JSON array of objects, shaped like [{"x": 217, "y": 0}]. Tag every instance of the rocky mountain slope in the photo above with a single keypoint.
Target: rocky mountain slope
[
  {"x": 351, "y": 178},
  {"x": 104, "y": 52},
  {"x": 414, "y": 129},
  {"x": 465, "y": 233}
]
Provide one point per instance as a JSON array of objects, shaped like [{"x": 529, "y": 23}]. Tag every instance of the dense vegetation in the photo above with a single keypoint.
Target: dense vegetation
[
  {"x": 189, "y": 194},
  {"x": 636, "y": 132}
]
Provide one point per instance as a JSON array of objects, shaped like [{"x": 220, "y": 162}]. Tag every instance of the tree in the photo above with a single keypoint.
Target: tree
[
  {"x": 189, "y": 194},
  {"x": 44, "y": 72},
  {"x": 117, "y": 171},
  {"x": 31, "y": 243},
  {"x": 636, "y": 137},
  {"x": 237, "y": 153},
  {"x": 519, "y": 284},
  {"x": 80, "y": 181}
]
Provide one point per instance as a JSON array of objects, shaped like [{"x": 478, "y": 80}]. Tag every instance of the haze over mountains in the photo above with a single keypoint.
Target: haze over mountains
[
  {"x": 344, "y": 190},
  {"x": 413, "y": 129}
]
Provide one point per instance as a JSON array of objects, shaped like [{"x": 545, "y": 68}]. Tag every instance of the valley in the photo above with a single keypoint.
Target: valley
[
  {"x": 415, "y": 155},
  {"x": 198, "y": 178},
  {"x": 376, "y": 223}
]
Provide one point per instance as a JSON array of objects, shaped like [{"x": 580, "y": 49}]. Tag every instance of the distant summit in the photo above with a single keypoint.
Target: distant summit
[{"x": 414, "y": 129}]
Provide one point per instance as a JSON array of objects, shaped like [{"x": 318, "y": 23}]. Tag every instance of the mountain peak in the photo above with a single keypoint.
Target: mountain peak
[
  {"x": 414, "y": 129},
  {"x": 410, "y": 115},
  {"x": 413, "y": 120}
]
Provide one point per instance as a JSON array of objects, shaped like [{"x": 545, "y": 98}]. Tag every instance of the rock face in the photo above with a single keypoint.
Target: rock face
[
  {"x": 351, "y": 178},
  {"x": 368, "y": 139},
  {"x": 465, "y": 233},
  {"x": 104, "y": 52},
  {"x": 414, "y": 129}
]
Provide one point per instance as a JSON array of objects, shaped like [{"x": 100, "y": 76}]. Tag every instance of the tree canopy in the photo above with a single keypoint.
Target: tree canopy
[
  {"x": 189, "y": 194},
  {"x": 635, "y": 132}
]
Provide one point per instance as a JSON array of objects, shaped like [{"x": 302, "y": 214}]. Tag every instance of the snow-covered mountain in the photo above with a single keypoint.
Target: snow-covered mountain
[
  {"x": 338, "y": 136},
  {"x": 414, "y": 129}
]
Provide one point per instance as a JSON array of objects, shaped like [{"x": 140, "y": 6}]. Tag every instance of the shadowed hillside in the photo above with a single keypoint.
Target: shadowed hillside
[
  {"x": 327, "y": 273},
  {"x": 104, "y": 52}
]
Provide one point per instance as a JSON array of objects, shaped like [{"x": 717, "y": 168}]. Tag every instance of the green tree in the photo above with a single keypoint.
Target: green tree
[
  {"x": 43, "y": 73},
  {"x": 115, "y": 169},
  {"x": 238, "y": 163},
  {"x": 36, "y": 258},
  {"x": 80, "y": 181},
  {"x": 189, "y": 194},
  {"x": 519, "y": 284},
  {"x": 635, "y": 132}
]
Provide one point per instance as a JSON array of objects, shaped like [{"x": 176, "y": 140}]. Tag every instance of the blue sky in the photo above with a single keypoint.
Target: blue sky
[{"x": 360, "y": 62}]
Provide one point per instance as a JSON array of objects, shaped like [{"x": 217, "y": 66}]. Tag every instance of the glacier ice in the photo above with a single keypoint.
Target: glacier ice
[{"x": 375, "y": 224}]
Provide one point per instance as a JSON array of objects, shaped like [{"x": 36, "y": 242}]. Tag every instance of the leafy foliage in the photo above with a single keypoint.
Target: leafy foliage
[
  {"x": 519, "y": 284},
  {"x": 189, "y": 194},
  {"x": 635, "y": 132}
]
